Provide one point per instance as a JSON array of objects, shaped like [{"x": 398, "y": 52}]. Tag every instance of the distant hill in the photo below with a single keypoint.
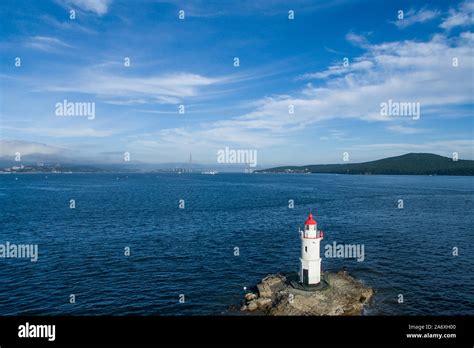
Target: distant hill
[{"x": 409, "y": 164}]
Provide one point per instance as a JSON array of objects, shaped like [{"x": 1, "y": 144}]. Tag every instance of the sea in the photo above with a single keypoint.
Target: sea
[{"x": 190, "y": 244}]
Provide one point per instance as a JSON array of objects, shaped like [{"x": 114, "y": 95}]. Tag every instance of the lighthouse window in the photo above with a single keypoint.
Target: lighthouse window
[{"x": 305, "y": 249}]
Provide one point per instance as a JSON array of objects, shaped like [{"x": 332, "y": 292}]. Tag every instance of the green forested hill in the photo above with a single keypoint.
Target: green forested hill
[{"x": 409, "y": 164}]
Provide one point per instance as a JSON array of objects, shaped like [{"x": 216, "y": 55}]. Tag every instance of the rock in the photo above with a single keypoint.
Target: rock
[
  {"x": 252, "y": 305},
  {"x": 243, "y": 308},
  {"x": 264, "y": 290},
  {"x": 280, "y": 295},
  {"x": 273, "y": 280},
  {"x": 263, "y": 302},
  {"x": 250, "y": 296}
]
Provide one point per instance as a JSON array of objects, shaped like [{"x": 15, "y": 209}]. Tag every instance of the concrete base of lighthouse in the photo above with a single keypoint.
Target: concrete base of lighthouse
[
  {"x": 310, "y": 272},
  {"x": 295, "y": 282}
]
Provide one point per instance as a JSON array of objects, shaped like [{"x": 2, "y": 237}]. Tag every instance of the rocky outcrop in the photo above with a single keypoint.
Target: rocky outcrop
[{"x": 279, "y": 294}]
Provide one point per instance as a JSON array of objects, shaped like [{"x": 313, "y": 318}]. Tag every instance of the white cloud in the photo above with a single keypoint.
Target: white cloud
[
  {"x": 71, "y": 132},
  {"x": 46, "y": 43},
  {"x": 405, "y": 71},
  {"x": 340, "y": 69},
  {"x": 66, "y": 25},
  {"x": 417, "y": 71},
  {"x": 412, "y": 16},
  {"x": 10, "y": 147},
  {"x": 99, "y": 7},
  {"x": 404, "y": 129},
  {"x": 357, "y": 39},
  {"x": 462, "y": 16},
  {"x": 125, "y": 90},
  {"x": 333, "y": 134}
]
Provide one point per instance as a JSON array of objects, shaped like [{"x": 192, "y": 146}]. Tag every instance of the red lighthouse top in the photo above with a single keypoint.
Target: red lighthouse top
[{"x": 310, "y": 220}]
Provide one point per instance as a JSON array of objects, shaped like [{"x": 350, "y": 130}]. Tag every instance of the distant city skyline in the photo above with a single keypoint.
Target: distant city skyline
[{"x": 291, "y": 83}]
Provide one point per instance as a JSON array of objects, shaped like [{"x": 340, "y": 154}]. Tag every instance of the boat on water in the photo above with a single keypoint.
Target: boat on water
[{"x": 210, "y": 172}]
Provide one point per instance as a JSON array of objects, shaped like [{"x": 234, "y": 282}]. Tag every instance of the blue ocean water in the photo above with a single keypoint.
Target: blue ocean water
[{"x": 190, "y": 251}]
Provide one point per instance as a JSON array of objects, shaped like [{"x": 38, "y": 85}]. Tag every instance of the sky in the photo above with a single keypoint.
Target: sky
[{"x": 334, "y": 64}]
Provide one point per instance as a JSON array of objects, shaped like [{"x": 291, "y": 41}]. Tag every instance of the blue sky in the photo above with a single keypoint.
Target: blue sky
[{"x": 190, "y": 62}]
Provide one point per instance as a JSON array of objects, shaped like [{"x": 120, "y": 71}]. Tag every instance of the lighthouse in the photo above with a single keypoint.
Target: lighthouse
[{"x": 310, "y": 270}]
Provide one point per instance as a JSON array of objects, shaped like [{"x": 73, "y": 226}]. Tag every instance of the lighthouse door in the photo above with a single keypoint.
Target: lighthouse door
[{"x": 305, "y": 277}]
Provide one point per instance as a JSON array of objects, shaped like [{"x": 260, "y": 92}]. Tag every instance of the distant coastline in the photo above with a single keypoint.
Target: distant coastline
[{"x": 408, "y": 164}]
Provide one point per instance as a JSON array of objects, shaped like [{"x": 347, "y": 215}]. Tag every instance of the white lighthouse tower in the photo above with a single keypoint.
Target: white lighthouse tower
[{"x": 310, "y": 270}]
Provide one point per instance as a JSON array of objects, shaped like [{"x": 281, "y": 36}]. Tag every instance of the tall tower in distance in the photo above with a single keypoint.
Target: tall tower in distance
[{"x": 310, "y": 270}]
